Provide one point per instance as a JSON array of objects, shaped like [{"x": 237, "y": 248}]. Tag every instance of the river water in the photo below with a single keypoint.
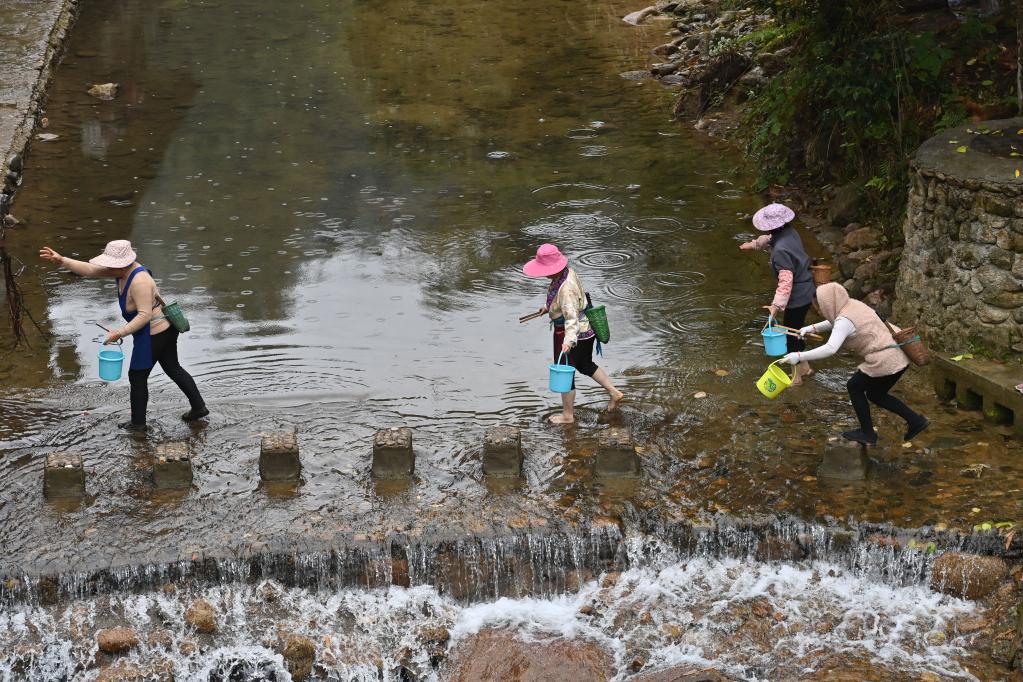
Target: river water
[{"x": 341, "y": 196}]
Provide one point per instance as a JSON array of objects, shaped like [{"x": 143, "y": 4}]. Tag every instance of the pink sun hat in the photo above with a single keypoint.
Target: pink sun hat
[
  {"x": 117, "y": 254},
  {"x": 772, "y": 216},
  {"x": 549, "y": 261}
]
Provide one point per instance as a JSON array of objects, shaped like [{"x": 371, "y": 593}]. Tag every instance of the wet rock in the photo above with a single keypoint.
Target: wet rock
[
  {"x": 201, "y": 616},
  {"x": 499, "y": 655},
  {"x": 682, "y": 673},
  {"x": 635, "y": 75},
  {"x": 122, "y": 671},
  {"x": 117, "y": 640},
  {"x": 863, "y": 238},
  {"x": 435, "y": 641},
  {"x": 160, "y": 639},
  {"x": 104, "y": 91},
  {"x": 845, "y": 204},
  {"x": 610, "y": 580},
  {"x": 299, "y": 653},
  {"x": 968, "y": 576},
  {"x": 638, "y": 17}
]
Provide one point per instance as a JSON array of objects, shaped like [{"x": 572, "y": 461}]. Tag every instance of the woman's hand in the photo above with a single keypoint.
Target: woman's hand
[
  {"x": 773, "y": 310},
  {"x": 566, "y": 348},
  {"x": 791, "y": 359},
  {"x": 543, "y": 309},
  {"x": 810, "y": 329},
  {"x": 46, "y": 253},
  {"x": 113, "y": 336},
  {"x": 747, "y": 246}
]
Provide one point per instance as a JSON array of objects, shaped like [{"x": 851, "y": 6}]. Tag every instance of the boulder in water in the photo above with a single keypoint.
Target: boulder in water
[
  {"x": 117, "y": 640},
  {"x": 968, "y": 576},
  {"x": 104, "y": 91},
  {"x": 499, "y": 655},
  {"x": 299, "y": 653},
  {"x": 683, "y": 673},
  {"x": 202, "y": 617}
]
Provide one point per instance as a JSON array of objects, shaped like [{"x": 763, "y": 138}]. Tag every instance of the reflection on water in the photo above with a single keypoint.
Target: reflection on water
[{"x": 341, "y": 198}]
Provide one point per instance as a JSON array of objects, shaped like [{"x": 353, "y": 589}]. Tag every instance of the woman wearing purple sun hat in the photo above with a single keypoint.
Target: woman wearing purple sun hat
[
  {"x": 566, "y": 301},
  {"x": 791, "y": 265}
]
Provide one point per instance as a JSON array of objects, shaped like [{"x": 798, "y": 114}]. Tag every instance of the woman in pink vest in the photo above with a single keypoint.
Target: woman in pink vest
[{"x": 856, "y": 327}]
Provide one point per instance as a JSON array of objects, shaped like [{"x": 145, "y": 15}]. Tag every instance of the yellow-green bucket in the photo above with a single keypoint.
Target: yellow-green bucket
[{"x": 775, "y": 380}]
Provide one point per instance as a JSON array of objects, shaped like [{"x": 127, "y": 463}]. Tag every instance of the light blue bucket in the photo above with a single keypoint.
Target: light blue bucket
[
  {"x": 774, "y": 340},
  {"x": 561, "y": 375},
  {"x": 110, "y": 362}
]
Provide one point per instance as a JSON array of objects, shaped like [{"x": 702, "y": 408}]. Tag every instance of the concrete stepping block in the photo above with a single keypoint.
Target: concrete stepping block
[
  {"x": 392, "y": 453},
  {"x": 616, "y": 453},
  {"x": 278, "y": 457},
  {"x": 64, "y": 476},
  {"x": 502, "y": 451},
  {"x": 844, "y": 461},
  {"x": 172, "y": 466}
]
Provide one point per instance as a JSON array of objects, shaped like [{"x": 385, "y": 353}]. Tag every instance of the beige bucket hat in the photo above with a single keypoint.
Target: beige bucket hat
[{"x": 117, "y": 254}]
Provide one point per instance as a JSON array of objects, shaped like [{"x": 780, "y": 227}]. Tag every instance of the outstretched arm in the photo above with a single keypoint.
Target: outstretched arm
[
  {"x": 842, "y": 330},
  {"x": 76, "y": 266}
]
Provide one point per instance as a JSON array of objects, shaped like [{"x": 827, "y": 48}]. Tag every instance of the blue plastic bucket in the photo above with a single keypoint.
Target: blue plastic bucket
[
  {"x": 561, "y": 376},
  {"x": 110, "y": 362},
  {"x": 774, "y": 340}
]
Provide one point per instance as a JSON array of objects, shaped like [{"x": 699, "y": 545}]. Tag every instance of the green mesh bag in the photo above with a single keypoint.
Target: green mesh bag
[
  {"x": 172, "y": 311},
  {"x": 598, "y": 322}
]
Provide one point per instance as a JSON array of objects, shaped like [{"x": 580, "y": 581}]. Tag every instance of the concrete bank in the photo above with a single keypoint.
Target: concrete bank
[{"x": 32, "y": 34}]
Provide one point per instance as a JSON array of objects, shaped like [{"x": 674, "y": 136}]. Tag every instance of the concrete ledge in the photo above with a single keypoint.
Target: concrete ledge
[
  {"x": 616, "y": 453},
  {"x": 278, "y": 457},
  {"x": 844, "y": 461},
  {"x": 172, "y": 466},
  {"x": 392, "y": 453},
  {"x": 981, "y": 385},
  {"x": 502, "y": 451},
  {"x": 64, "y": 476}
]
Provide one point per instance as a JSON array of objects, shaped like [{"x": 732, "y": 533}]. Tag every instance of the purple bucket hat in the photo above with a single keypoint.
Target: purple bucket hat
[{"x": 773, "y": 216}]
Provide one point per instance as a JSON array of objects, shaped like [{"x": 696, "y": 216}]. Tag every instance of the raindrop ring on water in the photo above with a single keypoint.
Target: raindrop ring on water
[
  {"x": 655, "y": 226},
  {"x": 605, "y": 260}
]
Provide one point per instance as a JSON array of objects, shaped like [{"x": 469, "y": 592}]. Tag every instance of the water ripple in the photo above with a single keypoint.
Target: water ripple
[
  {"x": 655, "y": 226},
  {"x": 604, "y": 260}
]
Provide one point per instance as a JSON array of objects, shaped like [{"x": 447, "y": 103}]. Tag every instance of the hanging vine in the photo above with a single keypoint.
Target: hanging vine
[{"x": 16, "y": 309}]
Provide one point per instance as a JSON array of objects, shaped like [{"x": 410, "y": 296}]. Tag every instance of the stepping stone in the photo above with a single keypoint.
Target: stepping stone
[
  {"x": 392, "y": 453},
  {"x": 502, "y": 451},
  {"x": 64, "y": 476},
  {"x": 616, "y": 453},
  {"x": 172, "y": 466},
  {"x": 278, "y": 457},
  {"x": 844, "y": 461}
]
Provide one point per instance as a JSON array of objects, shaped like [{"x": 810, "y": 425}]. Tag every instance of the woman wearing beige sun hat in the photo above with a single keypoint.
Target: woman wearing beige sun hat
[{"x": 154, "y": 339}]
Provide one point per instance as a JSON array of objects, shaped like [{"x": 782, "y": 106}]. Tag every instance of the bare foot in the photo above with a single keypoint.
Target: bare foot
[
  {"x": 561, "y": 419},
  {"x": 803, "y": 369},
  {"x": 616, "y": 398}
]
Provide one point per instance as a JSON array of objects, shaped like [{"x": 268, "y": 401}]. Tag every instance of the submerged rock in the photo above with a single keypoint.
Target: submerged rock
[
  {"x": 683, "y": 673},
  {"x": 117, "y": 640},
  {"x": 499, "y": 655},
  {"x": 968, "y": 576},
  {"x": 104, "y": 91},
  {"x": 299, "y": 653},
  {"x": 202, "y": 617}
]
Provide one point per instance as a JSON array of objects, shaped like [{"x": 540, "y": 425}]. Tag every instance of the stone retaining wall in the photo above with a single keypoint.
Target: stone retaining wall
[
  {"x": 961, "y": 276},
  {"x": 32, "y": 37}
]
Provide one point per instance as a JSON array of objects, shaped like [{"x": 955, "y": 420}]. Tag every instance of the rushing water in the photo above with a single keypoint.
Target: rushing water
[
  {"x": 341, "y": 195},
  {"x": 754, "y": 620}
]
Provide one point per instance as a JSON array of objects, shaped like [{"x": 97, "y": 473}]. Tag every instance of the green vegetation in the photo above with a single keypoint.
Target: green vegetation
[{"x": 866, "y": 83}]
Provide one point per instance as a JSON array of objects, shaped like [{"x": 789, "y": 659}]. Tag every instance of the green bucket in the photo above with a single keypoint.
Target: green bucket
[
  {"x": 598, "y": 322},
  {"x": 172, "y": 311}
]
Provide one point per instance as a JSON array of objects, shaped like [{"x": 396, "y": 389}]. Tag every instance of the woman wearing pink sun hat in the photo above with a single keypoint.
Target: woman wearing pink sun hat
[
  {"x": 791, "y": 265},
  {"x": 566, "y": 301}
]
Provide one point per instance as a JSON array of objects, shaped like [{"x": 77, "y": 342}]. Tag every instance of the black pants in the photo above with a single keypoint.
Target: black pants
[
  {"x": 165, "y": 352},
  {"x": 875, "y": 389},
  {"x": 795, "y": 318},
  {"x": 581, "y": 357}
]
